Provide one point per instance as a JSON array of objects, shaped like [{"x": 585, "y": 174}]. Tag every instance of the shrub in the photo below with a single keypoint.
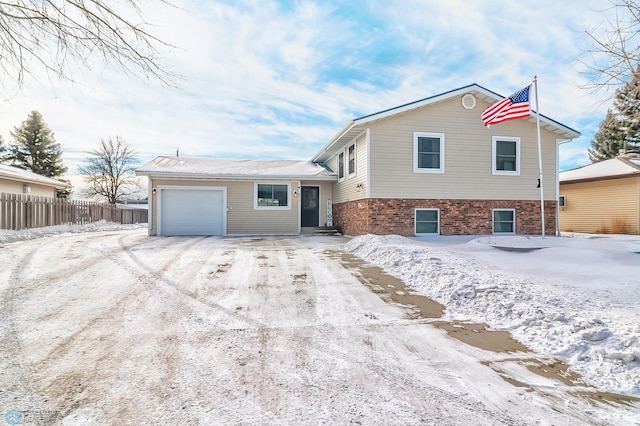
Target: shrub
[{"x": 619, "y": 225}]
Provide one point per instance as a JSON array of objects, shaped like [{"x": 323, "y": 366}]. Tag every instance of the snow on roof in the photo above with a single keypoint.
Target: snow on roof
[
  {"x": 17, "y": 174},
  {"x": 234, "y": 168},
  {"x": 622, "y": 165}
]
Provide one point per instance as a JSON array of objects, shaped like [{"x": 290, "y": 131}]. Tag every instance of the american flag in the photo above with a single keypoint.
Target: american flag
[{"x": 514, "y": 107}]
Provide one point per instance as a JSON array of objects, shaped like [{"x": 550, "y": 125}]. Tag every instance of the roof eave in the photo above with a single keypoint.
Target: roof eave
[
  {"x": 217, "y": 177},
  {"x": 598, "y": 178},
  {"x": 60, "y": 185},
  {"x": 323, "y": 154}
]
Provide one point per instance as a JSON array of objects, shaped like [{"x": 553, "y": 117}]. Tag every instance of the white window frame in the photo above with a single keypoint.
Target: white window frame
[
  {"x": 415, "y": 221},
  {"x": 417, "y": 169},
  {"x": 255, "y": 196},
  {"x": 562, "y": 201},
  {"x": 494, "y": 143},
  {"x": 348, "y": 171},
  {"x": 341, "y": 154},
  {"x": 493, "y": 221}
]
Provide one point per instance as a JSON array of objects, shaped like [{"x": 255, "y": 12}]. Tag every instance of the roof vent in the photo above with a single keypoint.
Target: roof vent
[{"x": 468, "y": 101}]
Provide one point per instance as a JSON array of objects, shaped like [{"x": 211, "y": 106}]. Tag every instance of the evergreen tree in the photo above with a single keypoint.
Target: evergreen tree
[
  {"x": 34, "y": 148},
  {"x": 620, "y": 129},
  {"x": 627, "y": 103},
  {"x": 2, "y": 149},
  {"x": 608, "y": 139}
]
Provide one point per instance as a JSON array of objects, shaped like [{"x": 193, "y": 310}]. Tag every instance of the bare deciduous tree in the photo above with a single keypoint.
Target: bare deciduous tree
[
  {"x": 614, "y": 56},
  {"x": 109, "y": 171},
  {"x": 50, "y": 34}
]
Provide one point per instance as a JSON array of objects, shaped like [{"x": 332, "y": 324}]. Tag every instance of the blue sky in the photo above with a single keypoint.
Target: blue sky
[{"x": 277, "y": 79}]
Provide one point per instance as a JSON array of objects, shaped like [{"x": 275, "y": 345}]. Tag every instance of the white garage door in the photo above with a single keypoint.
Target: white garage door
[{"x": 191, "y": 212}]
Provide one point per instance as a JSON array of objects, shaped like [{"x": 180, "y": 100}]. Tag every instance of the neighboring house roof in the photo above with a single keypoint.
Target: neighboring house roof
[
  {"x": 20, "y": 175},
  {"x": 615, "y": 168},
  {"x": 232, "y": 168},
  {"x": 356, "y": 126}
]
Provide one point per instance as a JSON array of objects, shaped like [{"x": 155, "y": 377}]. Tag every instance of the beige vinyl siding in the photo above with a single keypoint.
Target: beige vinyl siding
[
  {"x": 467, "y": 159},
  {"x": 242, "y": 217},
  {"x": 332, "y": 164},
  {"x": 347, "y": 190},
  {"x": 325, "y": 195},
  {"x": 15, "y": 187},
  {"x": 601, "y": 206}
]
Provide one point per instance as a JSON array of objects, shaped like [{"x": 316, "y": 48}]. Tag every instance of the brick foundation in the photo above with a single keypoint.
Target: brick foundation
[{"x": 457, "y": 217}]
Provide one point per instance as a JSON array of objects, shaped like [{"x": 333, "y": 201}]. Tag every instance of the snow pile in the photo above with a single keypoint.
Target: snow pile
[
  {"x": 7, "y": 236},
  {"x": 592, "y": 323}
]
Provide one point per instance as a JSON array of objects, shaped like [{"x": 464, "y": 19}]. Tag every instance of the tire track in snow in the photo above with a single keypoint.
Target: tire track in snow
[
  {"x": 157, "y": 275},
  {"x": 17, "y": 373},
  {"x": 75, "y": 387},
  {"x": 144, "y": 279}
]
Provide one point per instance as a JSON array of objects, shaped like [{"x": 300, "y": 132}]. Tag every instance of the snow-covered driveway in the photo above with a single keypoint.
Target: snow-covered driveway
[{"x": 120, "y": 328}]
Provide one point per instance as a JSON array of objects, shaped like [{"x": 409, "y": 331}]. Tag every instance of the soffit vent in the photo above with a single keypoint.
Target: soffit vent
[{"x": 468, "y": 101}]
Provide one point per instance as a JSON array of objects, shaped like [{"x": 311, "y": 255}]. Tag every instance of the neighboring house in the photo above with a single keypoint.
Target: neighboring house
[
  {"x": 14, "y": 180},
  {"x": 602, "y": 197},
  {"x": 427, "y": 167}
]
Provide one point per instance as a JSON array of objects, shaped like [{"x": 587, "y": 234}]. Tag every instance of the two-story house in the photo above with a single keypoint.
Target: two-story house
[{"x": 427, "y": 167}]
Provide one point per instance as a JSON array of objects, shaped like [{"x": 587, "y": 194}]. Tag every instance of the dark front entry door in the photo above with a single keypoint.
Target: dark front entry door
[{"x": 310, "y": 206}]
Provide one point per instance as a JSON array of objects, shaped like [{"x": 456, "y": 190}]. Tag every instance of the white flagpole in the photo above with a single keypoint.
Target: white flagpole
[{"x": 535, "y": 81}]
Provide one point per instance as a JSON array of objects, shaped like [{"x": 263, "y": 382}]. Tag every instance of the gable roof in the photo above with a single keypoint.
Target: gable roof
[
  {"x": 19, "y": 175},
  {"x": 615, "y": 168},
  {"x": 356, "y": 126},
  {"x": 233, "y": 168}
]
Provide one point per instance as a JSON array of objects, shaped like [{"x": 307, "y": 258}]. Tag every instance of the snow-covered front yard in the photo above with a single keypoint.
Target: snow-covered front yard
[
  {"x": 575, "y": 297},
  {"x": 104, "y": 325}
]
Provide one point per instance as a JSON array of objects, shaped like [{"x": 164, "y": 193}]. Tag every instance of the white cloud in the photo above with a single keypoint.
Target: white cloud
[{"x": 275, "y": 80}]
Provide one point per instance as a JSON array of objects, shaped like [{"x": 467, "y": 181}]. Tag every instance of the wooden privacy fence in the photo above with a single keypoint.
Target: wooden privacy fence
[{"x": 20, "y": 211}]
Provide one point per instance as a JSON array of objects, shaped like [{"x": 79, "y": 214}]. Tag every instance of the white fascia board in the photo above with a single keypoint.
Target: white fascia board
[
  {"x": 199, "y": 176},
  {"x": 333, "y": 140},
  {"x": 474, "y": 89},
  {"x": 21, "y": 179}
]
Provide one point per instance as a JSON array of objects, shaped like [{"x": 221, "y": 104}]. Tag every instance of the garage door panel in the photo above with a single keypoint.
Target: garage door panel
[{"x": 191, "y": 212}]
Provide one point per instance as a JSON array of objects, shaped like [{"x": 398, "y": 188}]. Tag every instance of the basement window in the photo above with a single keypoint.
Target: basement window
[
  {"x": 504, "y": 221},
  {"x": 427, "y": 221}
]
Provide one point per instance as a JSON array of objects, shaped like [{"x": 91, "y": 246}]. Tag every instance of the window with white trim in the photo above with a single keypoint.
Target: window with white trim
[
  {"x": 562, "y": 201},
  {"x": 505, "y": 155},
  {"x": 272, "y": 196},
  {"x": 427, "y": 221},
  {"x": 428, "y": 152},
  {"x": 341, "y": 166},
  {"x": 351, "y": 159},
  {"x": 504, "y": 221}
]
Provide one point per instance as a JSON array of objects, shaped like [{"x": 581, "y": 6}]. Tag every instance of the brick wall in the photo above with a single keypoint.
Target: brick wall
[
  {"x": 352, "y": 218},
  {"x": 457, "y": 217}
]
